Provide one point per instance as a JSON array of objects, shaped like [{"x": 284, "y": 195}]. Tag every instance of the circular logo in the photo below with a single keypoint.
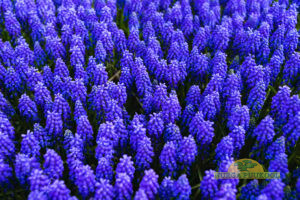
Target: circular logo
[{"x": 245, "y": 166}]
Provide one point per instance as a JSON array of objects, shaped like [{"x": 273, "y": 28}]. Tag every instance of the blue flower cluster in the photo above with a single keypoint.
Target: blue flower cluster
[{"x": 141, "y": 99}]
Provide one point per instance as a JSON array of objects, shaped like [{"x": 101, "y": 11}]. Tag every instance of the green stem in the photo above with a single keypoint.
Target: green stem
[{"x": 196, "y": 186}]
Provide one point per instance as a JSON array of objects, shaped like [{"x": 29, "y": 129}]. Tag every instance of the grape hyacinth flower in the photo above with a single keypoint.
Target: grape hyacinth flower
[
  {"x": 99, "y": 75},
  {"x": 99, "y": 98},
  {"x": 133, "y": 40},
  {"x": 5, "y": 173},
  {"x": 104, "y": 148},
  {"x": 193, "y": 96},
  {"x": 182, "y": 188},
  {"x": 13, "y": 82},
  {"x": 85, "y": 180},
  {"x": 84, "y": 129},
  {"x": 187, "y": 115},
  {"x": 202, "y": 37},
  {"x": 66, "y": 34},
  {"x": 167, "y": 158},
  {"x": 30, "y": 145},
  {"x": 238, "y": 138},
  {"x": 166, "y": 188},
  {"x": 264, "y": 132},
  {"x": 41, "y": 135},
  {"x": 187, "y": 25},
  {"x": 104, "y": 190},
  {"x": 172, "y": 133},
  {"x": 291, "y": 41},
  {"x": 104, "y": 170},
  {"x": 79, "y": 110},
  {"x": 251, "y": 190},
  {"x": 80, "y": 73},
  {"x": 143, "y": 157},
  {"x": 8, "y": 53},
  {"x": 148, "y": 31},
  {"x": 279, "y": 104},
  {"x": 28, "y": 108},
  {"x": 293, "y": 106},
  {"x": 276, "y": 148},
  {"x": 126, "y": 77},
  {"x": 71, "y": 141},
  {"x": 233, "y": 100},
  {"x": 107, "y": 130},
  {"x": 279, "y": 164},
  {"x": 123, "y": 187},
  {"x": 155, "y": 125},
  {"x": 224, "y": 148},
  {"x": 140, "y": 194},
  {"x": 76, "y": 56},
  {"x": 150, "y": 184},
  {"x": 137, "y": 133},
  {"x": 256, "y": 98},
  {"x": 239, "y": 117},
  {"x": 174, "y": 52},
  {"x": 209, "y": 185},
  {"x": 39, "y": 54},
  {"x": 12, "y": 25},
  {"x": 42, "y": 94},
  {"x": 187, "y": 151},
  {"x": 160, "y": 93},
  {"x": 24, "y": 165},
  {"x": 7, "y": 147},
  {"x": 33, "y": 77},
  {"x": 107, "y": 41},
  {"x": 59, "y": 85},
  {"x": 54, "y": 124},
  {"x": 291, "y": 131},
  {"x": 142, "y": 79},
  {"x": 60, "y": 105},
  {"x": 5, "y": 106},
  {"x": 291, "y": 68},
  {"x": 58, "y": 190},
  {"x": 38, "y": 180},
  {"x": 100, "y": 52},
  {"x": 54, "y": 47},
  {"x": 298, "y": 188},
  {"x": 227, "y": 191},
  {"x": 125, "y": 165},
  {"x": 210, "y": 105},
  {"x": 171, "y": 108},
  {"x": 118, "y": 92},
  {"x": 78, "y": 90},
  {"x": 48, "y": 76},
  {"x": 202, "y": 130},
  {"x": 220, "y": 37},
  {"x": 232, "y": 83},
  {"x": 122, "y": 132},
  {"x": 61, "y": 69},
  {"x": 176, "y": 73},
  {"x": 53, "y": 164},
  {"x": 6, "y": 127},
  {"x": 274, "y": 190},
  {"x": 219, "y": 64},
  {"x": 133, "y": 21}
]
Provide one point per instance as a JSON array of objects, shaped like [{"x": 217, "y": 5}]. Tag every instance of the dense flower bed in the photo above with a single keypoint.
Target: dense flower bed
[{"x": 146, "y": 99}]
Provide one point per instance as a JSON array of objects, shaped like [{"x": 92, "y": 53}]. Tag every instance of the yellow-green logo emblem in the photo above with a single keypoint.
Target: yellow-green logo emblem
[
  {"x": 244, "y": 165},
  {"x": 246, "y": 169}
]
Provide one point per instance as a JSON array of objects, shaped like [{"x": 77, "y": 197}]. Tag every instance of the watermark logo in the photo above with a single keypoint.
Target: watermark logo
[{"x": 246, "y": 169}]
